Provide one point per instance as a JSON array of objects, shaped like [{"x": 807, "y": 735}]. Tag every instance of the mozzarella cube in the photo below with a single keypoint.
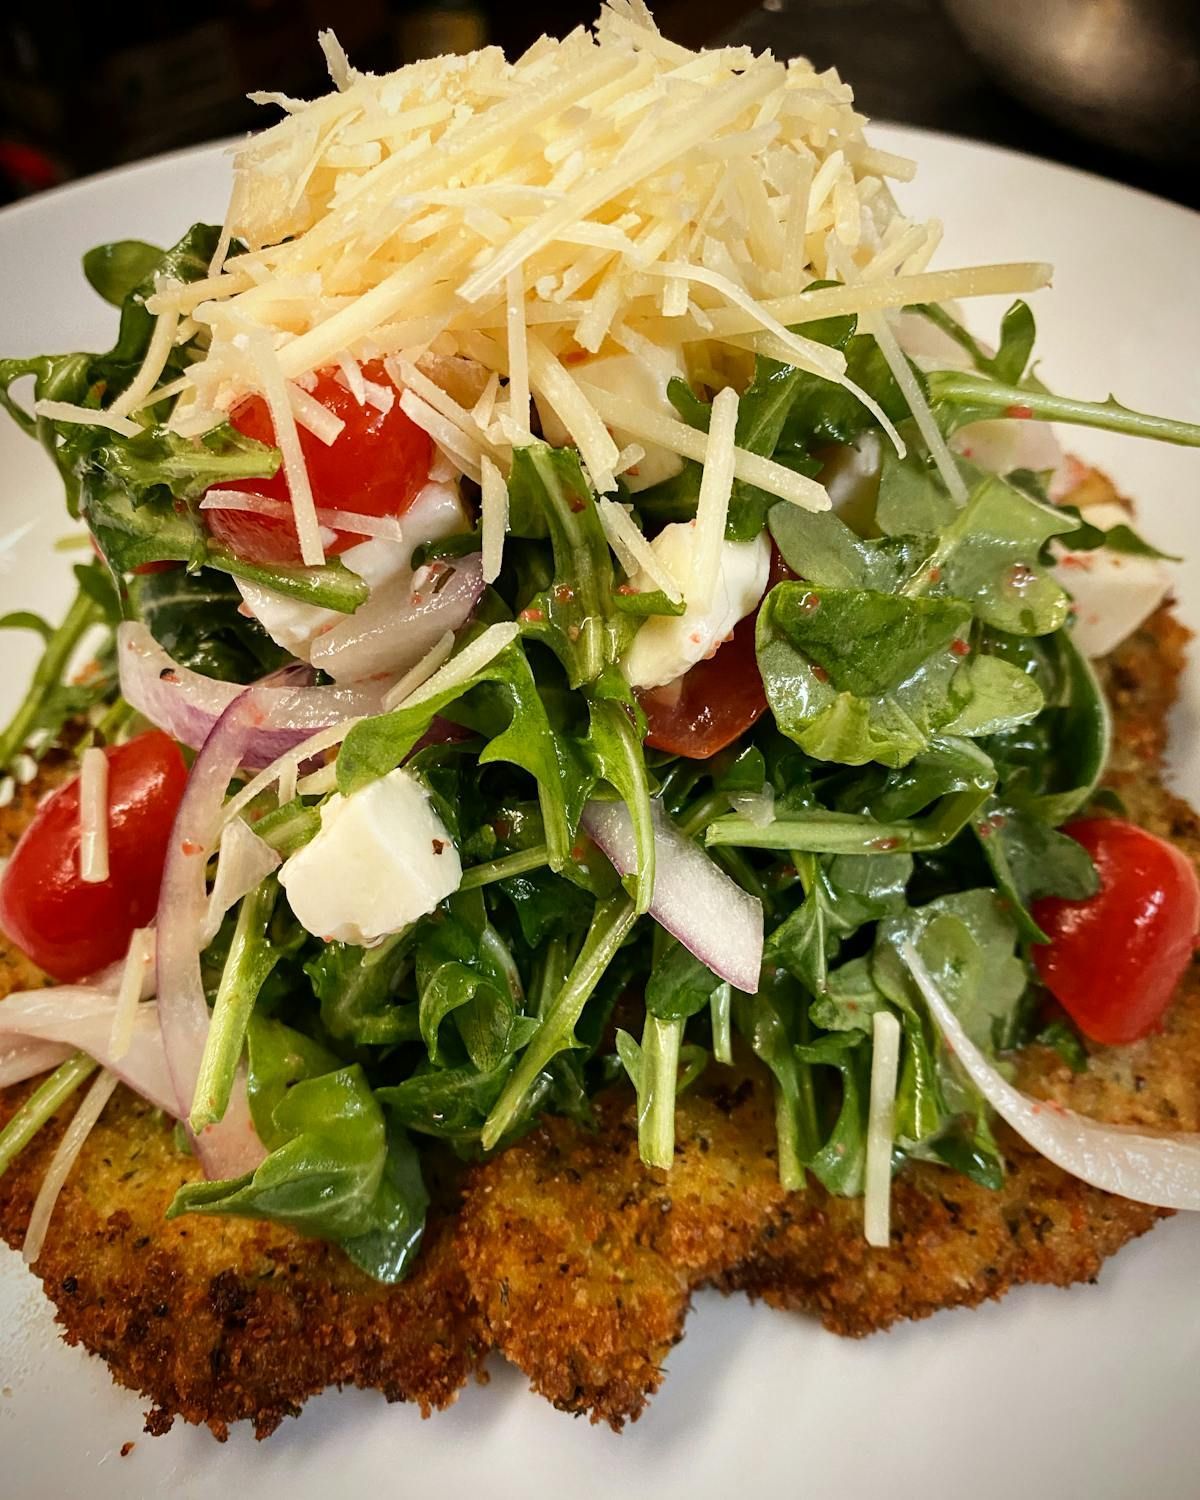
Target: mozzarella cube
[
  {"x": 381, "y": 859},
  {"x": 667, "y": 645},
  {"x": 436, "y": 512},
  {"x": 1113, "y": 592},
  {"x": 643, "y": 379}
]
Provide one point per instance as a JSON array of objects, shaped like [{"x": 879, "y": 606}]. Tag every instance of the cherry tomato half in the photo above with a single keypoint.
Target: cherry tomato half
[
  {"x": 1113, "y": 961},
  {"x": 70, "y": 927},
  {"x": 375, "y": 467},
  {"x": 716, "y": 700},
  {"x": 712, "y": 703}
]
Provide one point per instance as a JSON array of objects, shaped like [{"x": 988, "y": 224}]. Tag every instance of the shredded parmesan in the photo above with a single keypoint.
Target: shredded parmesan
[
  {"x": 84, "y": 416},
  {"x": 138, "y": 958},
  {"x": 493, "y": 519},
  {"x": 355, "y": 522},
  {"x": 885, "y": 1064},
  {"x": 463, "y": 667},
  {"x": 947, "y": 467},
  {"x": 712, "y": 508},
  {"x": 419, "y": 673},
  {"x": 93, "y": 816},
  {"x": 634, "y": 552},
  {"x": 611, "y": 188},
  {"x": 63, "y": 1160}
]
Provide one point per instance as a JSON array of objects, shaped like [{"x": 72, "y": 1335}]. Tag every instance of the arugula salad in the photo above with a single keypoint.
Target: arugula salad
[{"x": 573, "y": 605}]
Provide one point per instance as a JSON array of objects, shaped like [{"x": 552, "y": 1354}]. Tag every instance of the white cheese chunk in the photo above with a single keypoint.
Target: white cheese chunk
[
  {"x": 382, "y": 859},
  {"x": 667, "y": 645},
  {"x": 436, "y": 512},
  {"x": 1113, "y": 592},
  {"x": 643, "y": 379}
]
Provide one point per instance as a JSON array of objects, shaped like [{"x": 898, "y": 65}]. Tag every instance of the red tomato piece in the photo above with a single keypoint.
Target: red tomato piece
[
  {"x": 376, "y": 467},
  {"x": 1113, "y": 961},
  {"x": 716, "y": 700},
  {"x": 70, "y": 927},
  {"x": 712, "y": 703}
]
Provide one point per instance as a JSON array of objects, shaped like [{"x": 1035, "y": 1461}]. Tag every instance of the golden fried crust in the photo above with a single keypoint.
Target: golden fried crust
[
  {"x": 567, "y": 1253},
  {"x": 219, "y": 1320}
]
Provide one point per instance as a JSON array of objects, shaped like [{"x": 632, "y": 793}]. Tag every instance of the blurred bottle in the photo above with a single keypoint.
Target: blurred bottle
[{"x": 446, "y": 26}]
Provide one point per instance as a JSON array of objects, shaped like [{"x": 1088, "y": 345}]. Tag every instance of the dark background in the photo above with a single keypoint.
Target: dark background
[{"x": 84, "y": 87}]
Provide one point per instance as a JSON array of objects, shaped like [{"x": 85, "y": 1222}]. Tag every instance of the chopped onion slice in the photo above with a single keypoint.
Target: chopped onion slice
[
  {"x": 245, "y": 862},
  {"x": 187, "y": 704},
  {"x": 59, "y": 1170},
  {"x": 77, "y": 1017},
  {"x": 881, "y": 1129},
  {"x": 693, "y": 899},
  {"x": 26, "y": 1056},
  {"x": 401, "y": 621},
  {"x": 1162, "y": 1170},
  {"x": 231, "y": 1147}
]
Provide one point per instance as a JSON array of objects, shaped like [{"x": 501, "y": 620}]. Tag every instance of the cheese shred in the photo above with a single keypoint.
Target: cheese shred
[
  {"x": 93, "y": 816},
  {"x": 885, "y": 1065},
  {"x": 138, "y": 958},
  {"x": 72, "y": 1143}
]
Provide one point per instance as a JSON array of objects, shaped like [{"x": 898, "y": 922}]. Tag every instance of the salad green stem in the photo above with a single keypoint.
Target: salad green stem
[
  {"x": 959, "y": 388},
  {"x": 289, "y": 827},
  {"x": 519, "y": 863},
  {"x": 110, "y": 726},
  {"x": 84, "y": 613},
  {"x": 249, "y": 962},
  {"x": 659, "y": 1082},
  {"x": 610, "y": 926},
  {"x": 721, "y": 1005},
  {"x": 44, "y": 1102}
]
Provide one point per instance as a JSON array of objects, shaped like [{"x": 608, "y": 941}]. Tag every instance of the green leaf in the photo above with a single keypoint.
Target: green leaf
[
  {"x": 771, "y": 1022},
  {"x": 679, "y": 985},
  {"x": 334, "y": 1170},
  {"x": 998, "y": 697},
  {"x": 819, "y": 547},
  {"x": 989, "y": 556},
  {"x": 358, "y": 989},
  {"x": 198, "y": 620},
  {"x": 117, "y": 269},
  {"x": 1029, "y": 859},
  {"x": 839, "y": 1164},
  {"x": 913, "y": 500},
  {"x": 855, "y": 676},
  {"x": 464, "y": 969},
  {"x": 450, "y": 1104}
]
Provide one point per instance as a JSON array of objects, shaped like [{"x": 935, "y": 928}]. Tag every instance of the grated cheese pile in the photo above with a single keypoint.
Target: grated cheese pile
[{"x": 611, "y": 192}]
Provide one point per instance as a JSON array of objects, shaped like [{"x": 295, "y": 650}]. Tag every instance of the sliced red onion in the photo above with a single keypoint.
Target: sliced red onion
[
  {"x": 187, "y": 704},
  {"x": 245, "y": 863},
  {"x": 76, "y": 1017},
  {"x": 693, "y": 899},
  {"x": 25, "y": 1057},
  {"x": 401, "y": 621},
  {"x": 232, "y": 1147},
  {"x": 1162, "y": 1170}
]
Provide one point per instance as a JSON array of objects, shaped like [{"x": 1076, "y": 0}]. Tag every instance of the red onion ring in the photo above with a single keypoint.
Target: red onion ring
[
  {"x": 187, "y": 705},
  {"x": 399, "y": 623},
  {"x": 232, "y": 1147},
  {"x": 693, "y": 899},
  {"x": 80, "y": 1018}
]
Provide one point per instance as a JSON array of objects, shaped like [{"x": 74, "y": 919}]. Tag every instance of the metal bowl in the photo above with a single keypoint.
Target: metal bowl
[{"x": 1122, "y": 71}]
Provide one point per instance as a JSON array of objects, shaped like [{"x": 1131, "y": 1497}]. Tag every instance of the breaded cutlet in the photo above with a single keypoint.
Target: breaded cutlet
[{"x": 565, "y": 1253}]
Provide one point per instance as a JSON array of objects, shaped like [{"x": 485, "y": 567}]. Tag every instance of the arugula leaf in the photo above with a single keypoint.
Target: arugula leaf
[
  {"x": 855, "y": 676},
  {"x": 913, "y": 500},
  {"x": 378, "y": 745},
  {"x": 679, "y": 985},
  {"x": 1018, "y": 332},
  {"x": 334, "y": 1169},
  {"x": 989, "y": 555},
  {"x": 999, "y": 696},
  {"x": 115, "y": 270},
  {"x": 1030, "y": 859},
  {"x": 571, "y": 615},
  {"x": 464, "y": 969},
  {"x": 358, "y": 990},
  {"x": 52, "y": 699},
  {"x": 450, "y": 1104},
  {"x": 772, "y": 1023},
  {"x": 198, "y": 621},
  {"x": 840, "y": 1162},
  {"x": 819, "y": 547}
]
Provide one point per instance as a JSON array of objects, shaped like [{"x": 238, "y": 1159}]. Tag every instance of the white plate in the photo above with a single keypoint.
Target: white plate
[{"x": 1086, "y": 1392}]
